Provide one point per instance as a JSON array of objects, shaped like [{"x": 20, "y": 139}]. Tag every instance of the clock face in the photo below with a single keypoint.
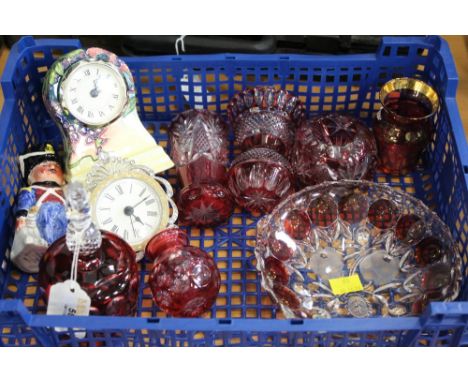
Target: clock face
[
  {"x": 132, "y": 208},
  {"x": 94, "y": 93}
]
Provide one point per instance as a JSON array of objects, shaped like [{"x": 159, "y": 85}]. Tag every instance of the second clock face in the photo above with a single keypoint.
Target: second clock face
[
  {"x": 94, "y": 93},
  {"x": 131, "y": 208}
]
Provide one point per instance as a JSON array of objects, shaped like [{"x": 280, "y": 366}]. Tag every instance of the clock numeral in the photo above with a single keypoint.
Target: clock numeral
[
  {"x": 107, "y": 221},
  {"x": 104, "y": 209},
  {"x": 115, "y": 229},
  {"x": 137, "y": 234},
  {"x": 73, "y": 89},
  {"x": 97, "y": 70},
  {"x": 148, "y": 225},
  {"x": 87, "y": 72},
  {"x": 111, "y": 107},
  {"x": 151, "y": 201},
  {"x": 74, "y": 100},
  {"x": 131, "y": 187},
  {"x": 115, "y": 96},
  {"x": 119, "y": 189},
  {"x": 151, "y": 213},
  {"x": 80, "y": 109},
  {"x": 101, "y": 113},
  {"x": 90, "y": 114},
  {"x": 126, "y": 235},
  {"x": 142, "y": 192},
  {"x": 109, "y": 196}
]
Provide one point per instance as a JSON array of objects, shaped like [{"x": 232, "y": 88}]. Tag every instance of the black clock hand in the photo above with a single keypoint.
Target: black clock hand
[
  {"x": 138, "y": 219},
  {"x": 95, "y": 91},
  {"x": 131, "y": 221},
  {"x": 141, "y": 201}
]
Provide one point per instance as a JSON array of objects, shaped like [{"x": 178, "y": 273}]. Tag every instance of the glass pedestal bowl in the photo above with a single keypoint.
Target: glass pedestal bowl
[
  {"x": 355, "y": 249},
  {"x": 265, "y": 117},
  {"x": 259, "y": 179}
]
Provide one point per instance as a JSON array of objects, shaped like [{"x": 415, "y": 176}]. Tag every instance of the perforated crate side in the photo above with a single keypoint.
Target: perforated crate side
[{"x": 243, "y": 313}]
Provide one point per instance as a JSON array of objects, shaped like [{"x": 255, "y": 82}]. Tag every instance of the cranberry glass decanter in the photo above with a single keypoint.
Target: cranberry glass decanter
[
  {"x": 404, "y": 125},
  {"x": 185, "y": 281},
  {"x": 356, "y": 249},
  {"x": 265, "y": 117},
  {"x": 200, "y": 151},
  {"x": 333, "y": 147},
  {"x": 259, "y": 179},
  {"x": 106, "y": 270}
]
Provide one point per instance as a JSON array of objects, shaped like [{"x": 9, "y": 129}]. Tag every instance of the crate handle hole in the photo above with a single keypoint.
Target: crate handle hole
[
  {"x": 465, "y": 168},
  {"x": 297, "y": 322},
  {"x": 152, "y": 320},
  {"x": 225, "y": 322}
]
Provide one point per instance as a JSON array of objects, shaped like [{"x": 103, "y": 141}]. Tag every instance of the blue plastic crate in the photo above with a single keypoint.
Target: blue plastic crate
[{"x": 243, "y": 313}]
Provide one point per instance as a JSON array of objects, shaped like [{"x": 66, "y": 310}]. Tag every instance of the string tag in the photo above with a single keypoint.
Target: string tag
[{"x": 68, "y": 298}]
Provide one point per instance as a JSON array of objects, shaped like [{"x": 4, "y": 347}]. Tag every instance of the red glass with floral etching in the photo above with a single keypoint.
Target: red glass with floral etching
[
  {"x": 404, "y": 125},
  {"x": 259, "y": 179},
  {"x": 199, "y": 148},
  {"x": 265, "y": 117},
  {"x": 184, "y": 280},
  {"x": 333, "y": 147}
]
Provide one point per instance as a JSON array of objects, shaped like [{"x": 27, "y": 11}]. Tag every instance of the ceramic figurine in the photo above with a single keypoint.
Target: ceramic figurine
[{"x": 40, "y": 214}]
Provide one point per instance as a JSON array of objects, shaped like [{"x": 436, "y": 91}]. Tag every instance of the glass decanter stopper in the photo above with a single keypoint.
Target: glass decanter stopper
[
  {"x": 200, "y": 151},
  {"x": 185, "y": 281},
  {"x": 106, "y": 269}
]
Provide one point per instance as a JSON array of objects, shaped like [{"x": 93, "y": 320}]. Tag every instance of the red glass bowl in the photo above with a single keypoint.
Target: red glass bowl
[
  {"x": 205, "y": 204},
  {"x": 266, "y": 98},
  {"x": 333, "y": 147},
  {"x": 259, "y": 179},
  {"x": 265, "y": 117}
]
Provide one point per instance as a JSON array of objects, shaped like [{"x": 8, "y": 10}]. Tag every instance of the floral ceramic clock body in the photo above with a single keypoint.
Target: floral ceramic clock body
[
  {"x": 91, "y": 96},
  {"x": 129, "y": 201}
]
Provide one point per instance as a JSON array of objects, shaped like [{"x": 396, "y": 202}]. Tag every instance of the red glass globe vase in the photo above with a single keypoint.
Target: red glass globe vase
[
  {"x": 333, "y": 147},
  {"x": 200, "y": 151},
  {"x": 259, "y": 179},
  {"x": 184, "y": 280},
  {"x": 265, "y": 117}
]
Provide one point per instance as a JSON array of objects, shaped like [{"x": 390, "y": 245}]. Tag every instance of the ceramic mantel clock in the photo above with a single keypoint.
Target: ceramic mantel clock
[{"x": 91, "y": 96}]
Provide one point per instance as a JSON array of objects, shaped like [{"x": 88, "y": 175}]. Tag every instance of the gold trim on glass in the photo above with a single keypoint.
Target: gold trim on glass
[
  {"x": 407, "y": 83},
  {"x": 152, "y": 183}
]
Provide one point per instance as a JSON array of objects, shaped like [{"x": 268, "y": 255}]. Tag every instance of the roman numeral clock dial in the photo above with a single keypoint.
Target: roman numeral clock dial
[
  {"x": 94, "y": 93},
  {"x": 133, "y": 206}
]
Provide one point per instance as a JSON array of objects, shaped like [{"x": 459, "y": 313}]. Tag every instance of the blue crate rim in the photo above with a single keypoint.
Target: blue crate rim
[{"x": 243, "y": 324}]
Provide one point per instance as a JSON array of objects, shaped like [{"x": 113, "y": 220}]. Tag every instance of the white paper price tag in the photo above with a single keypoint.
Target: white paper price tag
[{"x": 67, "y": 298}]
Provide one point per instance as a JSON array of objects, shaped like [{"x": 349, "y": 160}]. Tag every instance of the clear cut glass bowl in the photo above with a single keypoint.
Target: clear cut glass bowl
[{"x": 342, "y": 232}]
